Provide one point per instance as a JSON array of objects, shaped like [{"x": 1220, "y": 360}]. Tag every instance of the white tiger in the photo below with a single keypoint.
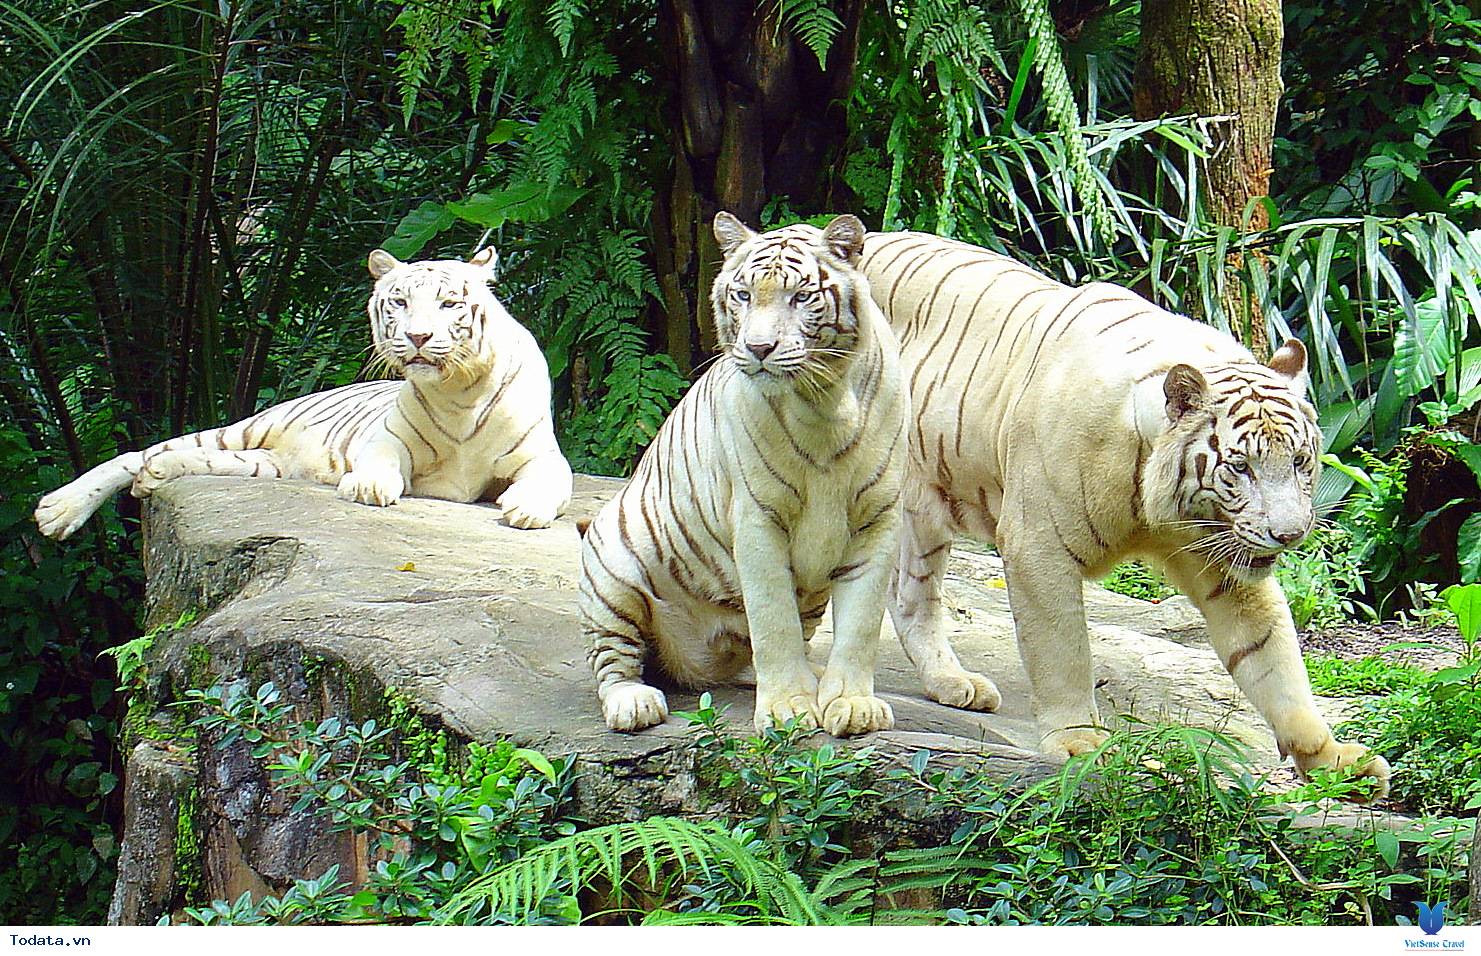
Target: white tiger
[
  {"x": 469, "y": 419},
  {"x": 1077, "y": 427},
  {"x": 772, "y": 487}
]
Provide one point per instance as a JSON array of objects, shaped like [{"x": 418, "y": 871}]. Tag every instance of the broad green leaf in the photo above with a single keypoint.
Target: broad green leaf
[
  {"x": 1388, "y": 847},
  {"x": 419, "y": 227},
  {"x": 1468, "y": 547},
  {"x": 1423, "y": 348},
  {"x": 1464, "y": 600}
]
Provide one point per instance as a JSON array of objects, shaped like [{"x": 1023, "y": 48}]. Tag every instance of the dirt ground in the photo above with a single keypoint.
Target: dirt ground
[{"x": 1372, "y": 640}]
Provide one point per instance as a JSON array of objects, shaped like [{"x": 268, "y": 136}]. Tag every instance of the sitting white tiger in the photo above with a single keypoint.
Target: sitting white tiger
[
  {"x": 772, "y": 487},
  {"x": 470, "y": 418},
  {"x": 1075, "y": 428}
]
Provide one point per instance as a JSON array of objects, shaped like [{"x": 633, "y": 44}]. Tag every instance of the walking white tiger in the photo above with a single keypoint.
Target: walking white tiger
[
  {"x": 1076, "y": 427},
  {"x": 470, "y": 417},
  {"x": 772, "y": 487}
]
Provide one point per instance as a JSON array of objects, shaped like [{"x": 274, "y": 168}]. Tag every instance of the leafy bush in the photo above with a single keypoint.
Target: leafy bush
[
  {"x": 1431, "y": 732},
  {"x": 1322, "y": 580},
  {"x": 1135, "y": 579},
  {"x": 1341, "y": 677},
  {"x": 1164, "y": 825}
]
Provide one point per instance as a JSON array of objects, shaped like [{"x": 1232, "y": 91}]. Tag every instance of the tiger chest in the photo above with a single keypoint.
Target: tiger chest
[{"x": 819, "y": 533}]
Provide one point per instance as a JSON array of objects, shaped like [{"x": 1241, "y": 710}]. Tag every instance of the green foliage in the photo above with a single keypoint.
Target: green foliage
[
  {"x": 1135, "y": 579},
  {"x": 434, "y": 830},
  {"x": 1164, "y": 825},
  {"x": 1322, "y": 578},
  {"x": 1428, "y": 731},
  {"x": 1342, "y": 677},
  {"x": 60, "y": 799},
  {"x": 801, "y": 800}
]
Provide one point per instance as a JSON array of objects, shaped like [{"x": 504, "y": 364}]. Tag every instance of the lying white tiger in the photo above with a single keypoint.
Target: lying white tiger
[
  {"x": 470, "y": 417},
  {"x": 772, "y": 486},
  {"x": 1079, "y": 427}
]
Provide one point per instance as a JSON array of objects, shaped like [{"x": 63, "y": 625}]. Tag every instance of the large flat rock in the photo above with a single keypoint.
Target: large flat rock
[{"x": 476, "y": 622}]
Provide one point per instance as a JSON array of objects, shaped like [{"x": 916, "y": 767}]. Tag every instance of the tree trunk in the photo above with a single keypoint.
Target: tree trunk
[
  {"x": 752, "y": 116},
  {"x": 1220, "y": 58}
]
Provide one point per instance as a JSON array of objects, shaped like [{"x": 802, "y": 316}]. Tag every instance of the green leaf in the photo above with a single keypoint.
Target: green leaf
[
  {"x": 523, "y": 202},
  {"x": 1468, "y": 549},
  {"x": 1388, "y": 847},
  {"x": 1423, "y": 348},
  {"x": 1464, "y": 600},
  {"x": 419, "y": 227},
  {"x": 538, "y": 761}
]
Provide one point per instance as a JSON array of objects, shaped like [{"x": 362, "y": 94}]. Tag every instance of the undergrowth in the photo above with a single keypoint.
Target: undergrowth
[{"x": 1164, "y": 825}]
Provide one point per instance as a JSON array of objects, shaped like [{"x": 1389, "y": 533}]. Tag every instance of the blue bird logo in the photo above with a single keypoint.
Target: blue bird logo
[{"x": 1431, "y": 919}]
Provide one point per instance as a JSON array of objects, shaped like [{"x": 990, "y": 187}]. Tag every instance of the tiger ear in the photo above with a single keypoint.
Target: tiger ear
[
  {"x": 486, "y": 259},
  {"x": 845, "y": 237},
  {"x": 381, "y": 262},
  {"x": 1290, "y": 360},
  {"x": 730, "y": 232},
  {"x": 1185, "y": 389}
]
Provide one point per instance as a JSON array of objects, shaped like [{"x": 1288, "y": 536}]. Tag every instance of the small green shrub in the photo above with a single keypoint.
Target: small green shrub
[
  {"x": 1431, "y": 732},
  {"x": 434, "y": 831},
  {"x": 1322, "y": 579},
  {"x": 1135, "y": 579},
  {"x": 1341, "y": 677}
]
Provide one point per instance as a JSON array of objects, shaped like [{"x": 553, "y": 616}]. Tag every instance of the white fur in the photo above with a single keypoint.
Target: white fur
[
  {"x": 470, "y": 418},
  {"x": 760, "y": 497},
  {"x": 1065, "y": 425}
]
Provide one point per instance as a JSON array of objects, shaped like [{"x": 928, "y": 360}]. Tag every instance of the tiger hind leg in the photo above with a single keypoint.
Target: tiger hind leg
[
  {"x": 63, "y": 511},
  {"x": 166, "y": 463},
  {"x": 617, "y": 646},
  {"x": 915, "y": 609}
]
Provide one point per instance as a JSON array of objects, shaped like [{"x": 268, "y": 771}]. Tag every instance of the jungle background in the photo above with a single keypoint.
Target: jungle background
[{"x": 188, "y": 192}]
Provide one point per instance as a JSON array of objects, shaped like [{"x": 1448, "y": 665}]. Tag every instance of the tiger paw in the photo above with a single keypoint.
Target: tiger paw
[
  {"x": 962, "y": 688},
  {"x": 61, "y": 513},
  {"x": 1358, "y": 760},
  {"x": 846, "y": 716},
  {"x": 371, "y": 488},
  {"x": 528, "y": 508},
  {"x": 158, "y": 469},
  {"x": 777, "y": 709},
  {"x": 1073, "y": 741},
  {"x": 630, "y": 707}
]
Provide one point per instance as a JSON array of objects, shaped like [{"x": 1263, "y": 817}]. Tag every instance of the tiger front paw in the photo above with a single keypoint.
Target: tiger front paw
[
  {"x": 1358, "y": 760},
  {"x": 61, "y": 513},
  {"x": 957, "y": 687},
  {"x": 1073, "y": 741},
  {"x": 633, "y": 707},
  {"x": 371, "y": 488},
  {"x": 846, "y": 715},
  {"x": 777, "y": 708},
  {"x": 529, "y": 508}
]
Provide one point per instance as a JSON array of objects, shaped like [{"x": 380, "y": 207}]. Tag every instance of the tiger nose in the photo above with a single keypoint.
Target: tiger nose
[
  {"x": 760, "y": 349},
  {"x": 418, "y": 339},
  {"x": 1289, "y": 535}
]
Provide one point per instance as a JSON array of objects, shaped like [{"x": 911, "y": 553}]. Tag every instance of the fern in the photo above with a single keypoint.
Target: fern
[
  {"x": 1059, "y": 99},
  {"x": 632, "y": 857},
  {"x": 813, "y": 22},
  {"x": 562, "y": 17}
]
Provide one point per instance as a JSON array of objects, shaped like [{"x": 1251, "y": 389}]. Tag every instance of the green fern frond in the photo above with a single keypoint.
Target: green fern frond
[
  {"x": 813, "y": 22},
  {"x": 629, "y": 856},
  {"x": 1059, "y": 100},
  {"x": 561, "y": 18}
]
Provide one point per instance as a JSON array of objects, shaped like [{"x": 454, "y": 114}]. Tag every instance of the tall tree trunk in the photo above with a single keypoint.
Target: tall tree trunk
[
  {"x": 1220, "y": 58},
  {"x": 753, "y": 116}
]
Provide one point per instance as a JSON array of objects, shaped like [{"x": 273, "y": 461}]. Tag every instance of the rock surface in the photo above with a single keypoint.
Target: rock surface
[{"x": 475, "y": 623}]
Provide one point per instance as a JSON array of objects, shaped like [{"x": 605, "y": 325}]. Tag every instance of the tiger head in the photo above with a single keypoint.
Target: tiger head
[
  {"x": 428, "y": 318},
  {"x": 1241, "y": 448},
  {"x": 784, "y": 300}
]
